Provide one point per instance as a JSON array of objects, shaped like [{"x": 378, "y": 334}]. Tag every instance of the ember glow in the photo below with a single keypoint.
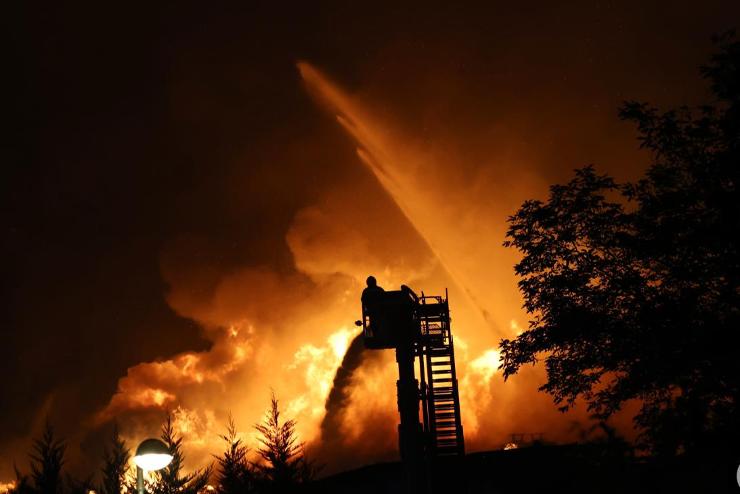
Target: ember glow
[{"x": 6, "y": 486}]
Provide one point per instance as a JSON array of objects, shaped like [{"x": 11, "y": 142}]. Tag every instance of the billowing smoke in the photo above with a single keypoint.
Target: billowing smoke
[
  {"x": 258, "y": 214},
  {"x": 289, "y": 331},
  {"x": 287, "y": 327}
]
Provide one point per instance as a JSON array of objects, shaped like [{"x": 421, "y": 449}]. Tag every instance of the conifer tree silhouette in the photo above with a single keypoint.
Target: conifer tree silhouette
[
  {"x": 285, "y": 465},
  {"x": 115, "y": 465},
  {"x": 171, "y": 480},
  {"x": 235, "y": 474},
  {"x": 47, "y": 460}
]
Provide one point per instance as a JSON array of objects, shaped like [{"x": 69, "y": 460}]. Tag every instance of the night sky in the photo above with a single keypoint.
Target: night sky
[{"x": 153, "y": 152}]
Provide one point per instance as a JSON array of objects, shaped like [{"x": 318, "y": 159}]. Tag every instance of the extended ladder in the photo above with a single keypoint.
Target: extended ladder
[{"x": 439, "y": 392}]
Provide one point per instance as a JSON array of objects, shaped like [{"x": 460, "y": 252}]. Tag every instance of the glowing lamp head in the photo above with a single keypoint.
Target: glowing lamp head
[{"x": 152, "y": 454}]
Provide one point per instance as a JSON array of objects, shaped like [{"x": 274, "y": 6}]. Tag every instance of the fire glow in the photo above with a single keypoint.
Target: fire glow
[{"x": 290, "y": 331}]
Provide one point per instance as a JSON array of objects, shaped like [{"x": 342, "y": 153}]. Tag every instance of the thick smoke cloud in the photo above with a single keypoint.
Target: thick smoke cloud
[{"x": 184, "y": 228}]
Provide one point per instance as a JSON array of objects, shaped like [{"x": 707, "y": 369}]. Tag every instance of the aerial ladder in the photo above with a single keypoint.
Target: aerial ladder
[{"x": 430, "y": 432}]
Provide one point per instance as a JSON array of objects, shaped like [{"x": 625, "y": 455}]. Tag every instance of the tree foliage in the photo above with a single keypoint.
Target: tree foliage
[
  {"x": 235, "y": 474},
  {"x": 82, "y": 485},
  {"x": 284, "y": 464},
  {"x": 633, "y": 288},
  {"x": 171, "y": 480},
  {"x": 284, "y": 467},
  {"x": 47, "y": 460},
  {"x": 21, "y": 484},
  {"x": 115, "y": 465}
]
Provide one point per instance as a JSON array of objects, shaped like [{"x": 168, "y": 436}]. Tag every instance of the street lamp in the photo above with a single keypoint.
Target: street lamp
[{"x": 151, "y": 455}]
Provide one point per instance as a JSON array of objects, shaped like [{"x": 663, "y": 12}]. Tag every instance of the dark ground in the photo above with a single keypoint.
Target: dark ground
[{"x": 551, "y": 469}]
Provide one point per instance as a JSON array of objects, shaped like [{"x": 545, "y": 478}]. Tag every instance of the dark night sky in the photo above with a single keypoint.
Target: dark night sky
[{"x": 135, "y": 131}]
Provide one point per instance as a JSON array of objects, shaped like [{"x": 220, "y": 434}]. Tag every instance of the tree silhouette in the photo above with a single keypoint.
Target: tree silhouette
[
  {"x": 76, "y": 485},
  {"x": 21, "y": 485},
  {"x": 47, "y": 460},
  {"x": 235, "y": 474},
  {"x": 633, "y": 288},
  {"x": 115, "y": 465},
  {"x": 170, "y": 479},
  {"x": 285, "y": 466}
]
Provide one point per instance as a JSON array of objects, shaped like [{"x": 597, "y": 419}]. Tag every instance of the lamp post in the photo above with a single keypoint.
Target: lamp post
[{"x": 151, "y": 455}]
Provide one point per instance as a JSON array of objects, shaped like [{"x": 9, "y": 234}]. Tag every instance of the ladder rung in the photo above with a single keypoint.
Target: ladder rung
[{"x": 443, "y": 401}]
